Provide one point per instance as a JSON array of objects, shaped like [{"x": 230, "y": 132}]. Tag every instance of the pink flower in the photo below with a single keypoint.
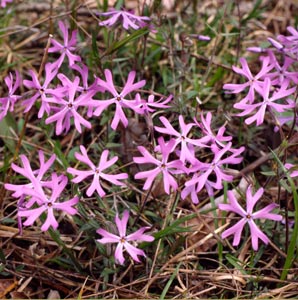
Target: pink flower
[
  {"x": 68, "y": 109},
  {"x": 292, "y": 169},
  {"x": 42, "y": 91},
  {"x": 48, "y": 203},
  {"x": 123, "y": 240},
  {"x": 282, "y": 73},
  {"x": 164, "y": 167},
  {"x": 216, "y": 167},
  {"x": 182, "y": 138},
  {"x": 96, "y": 172},
  {"x": 254, "y": 83},
  {"x": 35, "y": 177},
  {"x": 290, "y": 43},
  {"x": 216, "y": 139},
  {"x": 118, "y": 98},
  {"x": 7, "y": 103},
  {"x": 4, "y": 2},
  {"x": 128, "y": 19},
  {"x": 67, "y": 47},
  {"x": 248, "y": 216},
  {"x": 268, "y": 102},
  {"x": 194, "y": 189},
  {"x": 142, "y": 106}
]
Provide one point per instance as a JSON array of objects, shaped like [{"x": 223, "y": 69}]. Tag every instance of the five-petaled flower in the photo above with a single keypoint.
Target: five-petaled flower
[
  {"x": 128, "y": 19},
  {"x": 254, "y": 82},
  {"x": 248, "y": 216},
  {"x": 67, "y": 47},
  {"x": 96, "y": 172},
  {"x": 163, "y": 166},
  {"x": 118, "y": 98},
  {"x": 124, "y": 240},
  {"x": 269, "y": 101},
  {"x": 182, "y": 138},
  {"x": 68, "y": 109}
]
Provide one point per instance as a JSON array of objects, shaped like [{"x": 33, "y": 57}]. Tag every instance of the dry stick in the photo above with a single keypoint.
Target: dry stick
[
  {"x": 183, "y": 253},
  {"x": 18, "y": 146}
]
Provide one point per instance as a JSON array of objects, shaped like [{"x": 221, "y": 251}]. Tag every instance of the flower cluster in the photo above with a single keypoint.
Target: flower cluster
[
  {"x": 272, "y": 85},
  {"x": 41, "y": 194},
  {"x": 190, "y": 156},
  {"x": 180, "y": 155}
]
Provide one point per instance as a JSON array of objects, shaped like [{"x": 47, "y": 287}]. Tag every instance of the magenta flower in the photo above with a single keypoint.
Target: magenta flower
[
  {"x": 248, "y": 216},
  {"x": 292, "y": 169},
  {"x": 42, "y": 91},
  {"x": 118, "y": 98},
  {"x": 47, "y": 203},
  {"x": 281, "y": 73},
  {"x": 127, "y": 18},
  {"x": 194, "y": 189},
  {"x": 84, "y": 72},
  {"x": 143, "y": 107},
  {"x": 7, "y": 103},
  {"x": 96, "y": 172},
  {"x": 216, "y": 166},
  {"x": 123, "y": 240},
  {"x": 164, "y": 167},
  {"x": 217, "y": 139},
  {"x": 254, "y": 83},
  {"x": 67, "y": 47},
  {"x": 181, "y": 138},
  {"x": 66, "y": 110},
  {"x": 290, "y": 42},
  {"x": 4, "y": 2},
  {"x": 268, "y": 102},
  {"x": 35, "y": 177}
]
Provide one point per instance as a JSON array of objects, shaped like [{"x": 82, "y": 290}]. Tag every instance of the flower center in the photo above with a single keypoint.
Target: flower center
[
  {"x": 248, "y": 216},
  {"x": 122, "y": 239},
  {"x": 69, "y": 105},
  {"x": 118, "y": 98}
]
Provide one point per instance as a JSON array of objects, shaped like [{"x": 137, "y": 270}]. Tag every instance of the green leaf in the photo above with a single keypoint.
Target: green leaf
[
  {"x": 174, "y": 227},
  {"x": 60, "y": 154},
  {"x": 268, "y": 173},
  {"x": 56, "y": 237},
  {"x": 255, "y": 13},
  {"x": 119, "y": 44},
  {"x": 7, "y": 125},
  {"x": 166, "y": 288},
  {"x": 95, "y": 53},
  {"x": 235, "y": 263}
]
